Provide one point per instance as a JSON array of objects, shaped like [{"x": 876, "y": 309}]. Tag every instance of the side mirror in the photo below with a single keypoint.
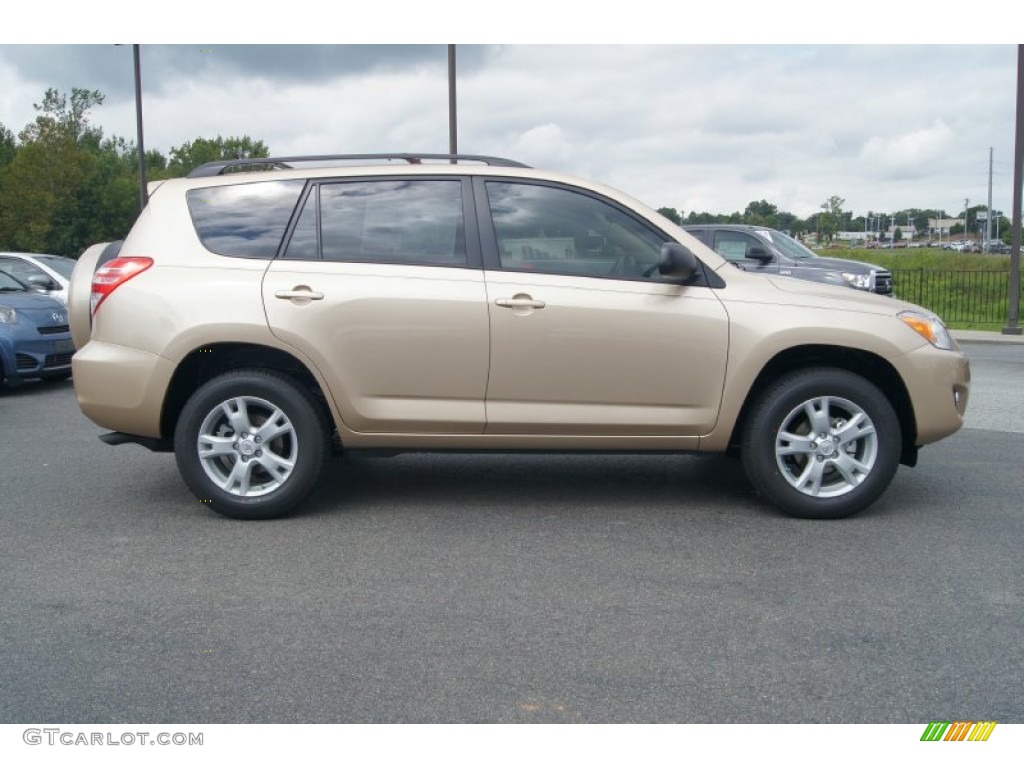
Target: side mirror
[
  {"x": 677, "y": 262},
  {"x": 41, "y": 283},
  {"x": 759, "y": 253}
]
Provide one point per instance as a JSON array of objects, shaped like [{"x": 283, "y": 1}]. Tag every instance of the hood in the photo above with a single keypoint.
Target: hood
[
  {"x": 32, "y": 301},
  {"x": 825, "y": 295},
  {"x": 839, "y": 265}
]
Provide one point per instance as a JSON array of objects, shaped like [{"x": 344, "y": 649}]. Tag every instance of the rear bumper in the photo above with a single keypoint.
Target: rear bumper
[{"x": 121, "y": 388}]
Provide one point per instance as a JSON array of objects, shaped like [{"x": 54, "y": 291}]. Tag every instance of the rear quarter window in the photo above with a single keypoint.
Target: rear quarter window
[{"x": 245, "y": 220}]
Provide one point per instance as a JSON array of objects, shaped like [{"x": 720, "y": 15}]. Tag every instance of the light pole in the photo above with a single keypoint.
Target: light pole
[
  {"x": 453, "y": 143},
  {"x": 143, "y": 192}
]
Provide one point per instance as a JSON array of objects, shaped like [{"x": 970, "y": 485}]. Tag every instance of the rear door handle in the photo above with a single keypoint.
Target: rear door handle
[{"x": 300, "y": 293}]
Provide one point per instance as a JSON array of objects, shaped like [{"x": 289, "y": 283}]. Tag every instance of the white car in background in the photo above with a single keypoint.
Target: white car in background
[{"x": 45, "y": 272}]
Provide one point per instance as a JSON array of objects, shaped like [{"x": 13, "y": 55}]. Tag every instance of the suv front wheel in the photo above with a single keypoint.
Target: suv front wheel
[
  {"x": 250, "y": 444},
  {"x": 821, "y": 443}
]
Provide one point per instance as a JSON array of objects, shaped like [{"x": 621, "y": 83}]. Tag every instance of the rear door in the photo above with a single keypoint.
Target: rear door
[{"x": 380, "y": 284}]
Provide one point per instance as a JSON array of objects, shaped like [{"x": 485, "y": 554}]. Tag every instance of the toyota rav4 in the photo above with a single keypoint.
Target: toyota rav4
[{"x": 262, "y": 314}]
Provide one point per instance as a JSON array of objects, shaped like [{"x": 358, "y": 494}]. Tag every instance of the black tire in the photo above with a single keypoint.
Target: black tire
[
  {"x": 251, "y": 478},
  {"x": 812, "y": 477}
]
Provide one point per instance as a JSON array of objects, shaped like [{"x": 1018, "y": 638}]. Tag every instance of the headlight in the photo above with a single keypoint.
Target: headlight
[
  {"x": 930, "y": 326},
  {"x": 858, "y": 280},
  {"x": 8, "y": 315}
]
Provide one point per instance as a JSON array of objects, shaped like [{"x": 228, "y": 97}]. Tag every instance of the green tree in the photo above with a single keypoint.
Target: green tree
[
  {"x": 192, "y": 154},
  {"x": 831, "y": 218},
  {"x": 63, "y": 185},
  {"x": 761, "y": 213},
  {"x": 789, "y": 222},
  {"x": 8, "y": 146},
  {"x": 702, "y": 218},
  {"x": 64, "y": 118},
  {"x": 66, "y": 186},
  {"x": 671, "y": 214}
]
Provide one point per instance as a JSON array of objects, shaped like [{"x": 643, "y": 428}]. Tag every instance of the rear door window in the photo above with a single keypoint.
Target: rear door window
[{"x": 386, "y": 221}]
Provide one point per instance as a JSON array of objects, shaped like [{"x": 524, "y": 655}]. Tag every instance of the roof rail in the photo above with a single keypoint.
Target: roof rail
[{"x": 218, "y": 167}]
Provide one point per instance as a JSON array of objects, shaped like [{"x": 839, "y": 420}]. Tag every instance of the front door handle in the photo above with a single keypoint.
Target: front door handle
[
  {"x": 300, "y": 294},
  {"x": 520, "y": 302}
]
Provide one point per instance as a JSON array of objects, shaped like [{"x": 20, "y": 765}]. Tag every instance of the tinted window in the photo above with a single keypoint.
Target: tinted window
[
  {"x": 733, "y": 245},
  {"x": 554, "y": 230},
  {"x": 22, "y": 270},
  {"x": 62, "y": 265},
  {"x": 244, "y": 219},
  {"x": 418, "y": 221},
  {"x": 303, "y": 243},
  {"x": 8, "y": 283}
]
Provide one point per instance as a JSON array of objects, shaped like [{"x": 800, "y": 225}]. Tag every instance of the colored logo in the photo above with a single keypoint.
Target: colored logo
[{"x": 958, "y": 731}]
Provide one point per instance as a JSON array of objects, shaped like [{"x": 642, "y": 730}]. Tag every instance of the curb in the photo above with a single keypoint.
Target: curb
[{"x": 986, "y": 337}]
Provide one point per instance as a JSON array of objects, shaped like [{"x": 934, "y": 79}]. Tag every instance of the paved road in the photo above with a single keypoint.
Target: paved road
[{"x": 509, "y": 588}]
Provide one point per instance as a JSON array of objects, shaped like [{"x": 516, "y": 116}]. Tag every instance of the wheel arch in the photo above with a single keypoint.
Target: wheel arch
[
  {"x": 868, "y": 365},
  {"x": 208, "y": 361}
]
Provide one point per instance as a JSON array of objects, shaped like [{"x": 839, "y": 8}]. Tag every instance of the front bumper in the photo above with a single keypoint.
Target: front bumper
[
  {"x": 26, "y": 354},
  {"x": 939, "y": 383}
]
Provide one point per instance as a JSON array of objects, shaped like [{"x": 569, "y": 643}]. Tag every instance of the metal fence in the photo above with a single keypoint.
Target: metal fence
[{"x": 957, "y": 297}]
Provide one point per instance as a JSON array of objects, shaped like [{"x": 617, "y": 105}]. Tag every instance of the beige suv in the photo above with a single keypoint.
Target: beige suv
[{"x": 262, "y": 314}]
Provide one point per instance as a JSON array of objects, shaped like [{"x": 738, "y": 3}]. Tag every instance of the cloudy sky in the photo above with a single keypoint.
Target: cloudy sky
[{"x": 694, "y": 127}]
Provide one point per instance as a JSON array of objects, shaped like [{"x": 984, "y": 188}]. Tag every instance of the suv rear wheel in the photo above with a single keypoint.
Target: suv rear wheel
[
  {"x": 251, "y": 444},
  {"x": 822, "y": 443}
]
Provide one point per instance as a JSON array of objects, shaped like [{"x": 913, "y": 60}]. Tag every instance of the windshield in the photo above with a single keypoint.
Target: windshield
[
  {"x": 60, "y": 264},
  {"x": 8, "y": 283},
  {"x": 787, "y": 245}
]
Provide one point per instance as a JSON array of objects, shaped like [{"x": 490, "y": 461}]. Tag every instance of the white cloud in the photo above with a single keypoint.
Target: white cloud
[
  {"x": 697, "y": 127},
  {"x": 909, "y": 154}
]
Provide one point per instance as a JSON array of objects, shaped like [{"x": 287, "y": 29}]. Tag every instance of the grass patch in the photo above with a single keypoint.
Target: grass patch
[
  {"x": 924, "y": 258},
  {"x": 967, "y": 290}
]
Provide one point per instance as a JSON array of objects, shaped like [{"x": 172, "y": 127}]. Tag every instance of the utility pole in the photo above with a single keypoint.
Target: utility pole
[
  {"x": 1013, "y": 305},
  {"x": 967, "y": 203},
  {"x": 988, "y": 219}
]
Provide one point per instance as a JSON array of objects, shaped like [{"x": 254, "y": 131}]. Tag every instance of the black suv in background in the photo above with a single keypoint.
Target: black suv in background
[{"x": 768, "y": 251}]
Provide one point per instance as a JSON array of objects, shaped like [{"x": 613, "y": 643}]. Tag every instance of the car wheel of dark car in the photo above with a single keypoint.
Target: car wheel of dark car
[
  {"x": 251, "y": 444},
  {"x": 821, "y": 443}
]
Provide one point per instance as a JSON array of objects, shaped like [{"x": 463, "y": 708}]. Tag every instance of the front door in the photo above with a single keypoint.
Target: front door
[{"x": 586, "y": 339}]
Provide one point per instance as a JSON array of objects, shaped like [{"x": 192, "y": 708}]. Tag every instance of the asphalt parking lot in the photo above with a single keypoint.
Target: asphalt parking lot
[{"x": 510, "y": 588}]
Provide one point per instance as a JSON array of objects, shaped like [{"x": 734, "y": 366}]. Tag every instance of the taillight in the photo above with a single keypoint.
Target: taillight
[{"x": 114, "y": 273}]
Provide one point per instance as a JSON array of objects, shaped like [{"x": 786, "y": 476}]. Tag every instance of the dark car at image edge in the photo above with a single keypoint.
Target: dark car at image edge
[
  {"x": 35, "y": 340},
  {"x": 763, "y": 250}
]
